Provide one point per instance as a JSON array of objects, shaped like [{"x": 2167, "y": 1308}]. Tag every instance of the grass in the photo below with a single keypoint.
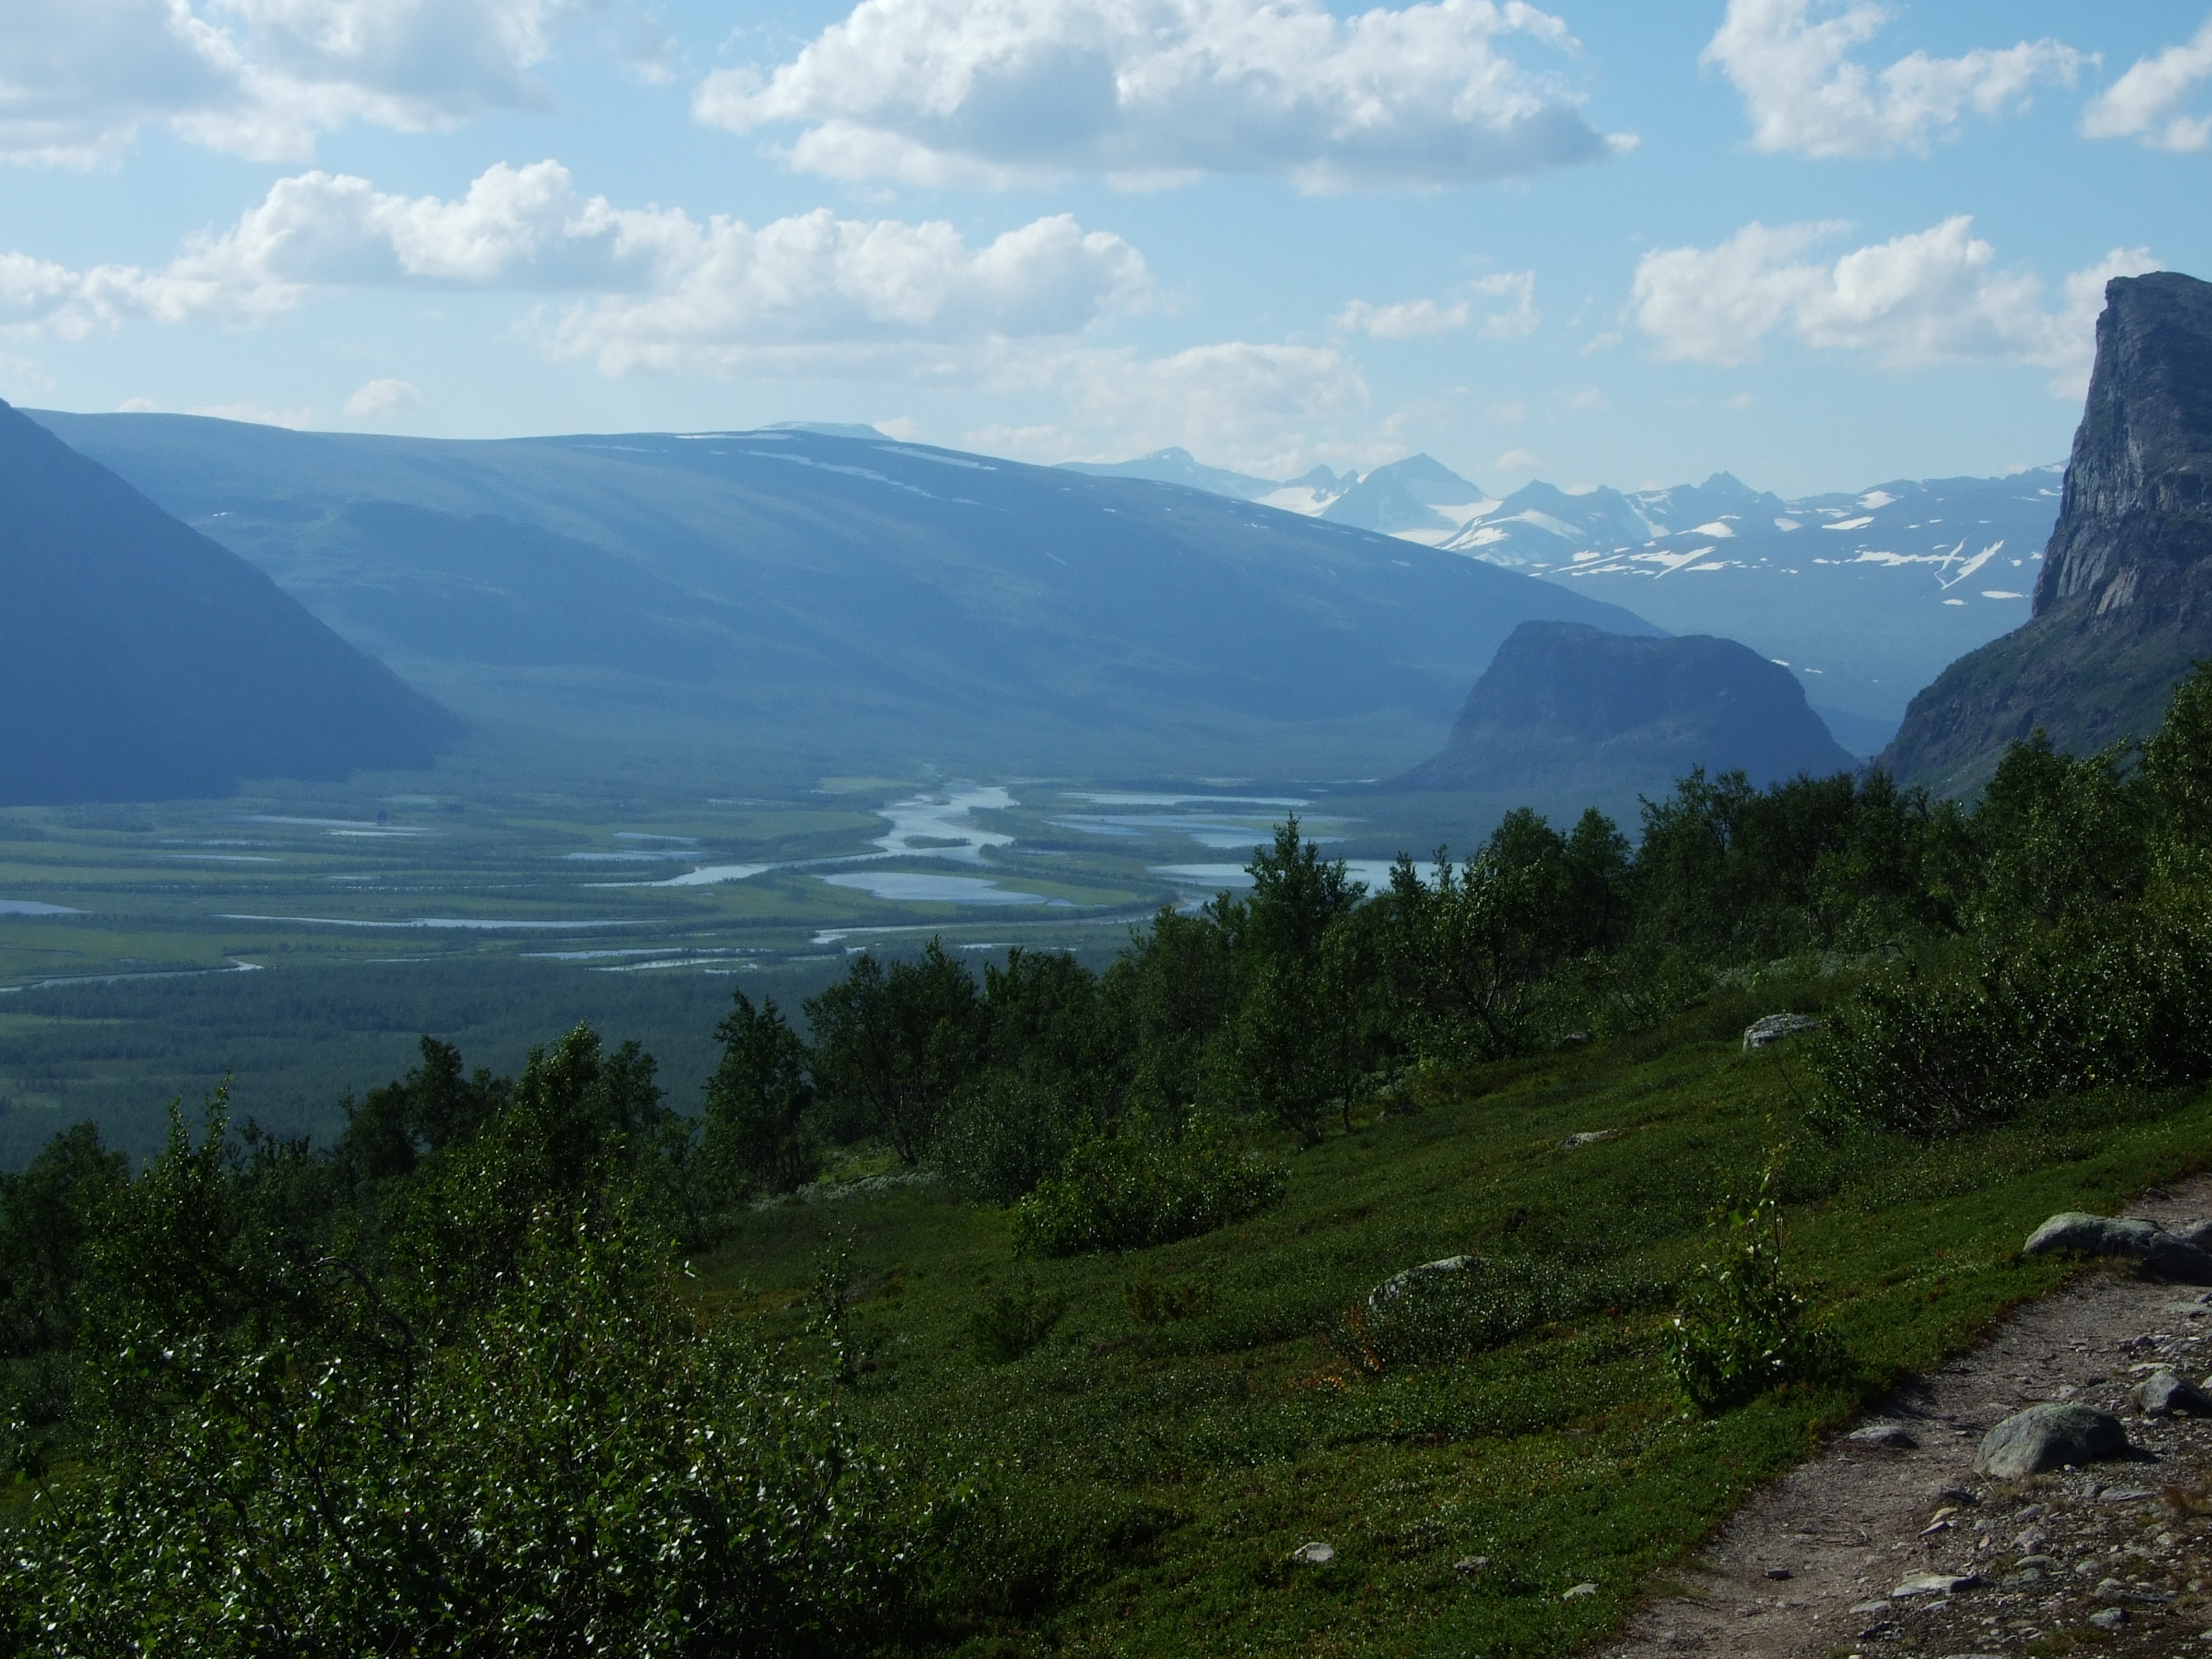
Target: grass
[{"x": 1148, "y": 1468}]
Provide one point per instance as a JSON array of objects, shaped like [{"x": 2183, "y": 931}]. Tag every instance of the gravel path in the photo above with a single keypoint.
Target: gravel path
[{"x": 2115, "y": 1558}]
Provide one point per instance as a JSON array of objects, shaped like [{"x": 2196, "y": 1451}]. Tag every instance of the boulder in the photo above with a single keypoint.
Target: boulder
[
  {"x": 1937, "y": 1583},
  {"x": 1586, "y": 1138},
  {"x": 2164, "y": 1395},
  {"x": 2050, "y": 1437},
  {"x": 1315, "y": 1554},
  {"x": 1775, "y": 1027},
  {"x": 2198, "y": 1233},
  {"x": 2147, "y": 1242}
]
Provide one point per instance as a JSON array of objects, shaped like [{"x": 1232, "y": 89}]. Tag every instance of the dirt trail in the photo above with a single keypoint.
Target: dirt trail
[{"x": 1808, "y": 1567}]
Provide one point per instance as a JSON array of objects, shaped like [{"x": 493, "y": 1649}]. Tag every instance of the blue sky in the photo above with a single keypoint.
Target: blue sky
[{"x": 1818, "y": 245}]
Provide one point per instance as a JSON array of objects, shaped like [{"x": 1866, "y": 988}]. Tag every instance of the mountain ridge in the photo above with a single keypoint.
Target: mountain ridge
[{"x": 145, "y": 661}]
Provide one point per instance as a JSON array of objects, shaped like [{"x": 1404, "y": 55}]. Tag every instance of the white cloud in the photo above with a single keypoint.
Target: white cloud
[
  {"x": 1519, "y": 460},
  {"x": 383, "y": 397},
  {"x": 1807, "y": 95},
  {"x": 1158, "y": 92},
  {"x": 1414, "y": 319},
  {"x": 260, "y": 78},
  {"x": 1934, "y": 296},
  {"x": 655, "y": 288},
  {"x": 1408, "y": 319},
  {"x": 2145, "y": 103},
  {"x": 1589, "y": 400}
]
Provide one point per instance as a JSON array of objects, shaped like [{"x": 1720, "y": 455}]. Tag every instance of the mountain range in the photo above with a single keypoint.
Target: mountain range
[
  {"x": 1866, "y": 595},
  {"x": 848, "y": 600},
  {"x": 139, "y": 660}
]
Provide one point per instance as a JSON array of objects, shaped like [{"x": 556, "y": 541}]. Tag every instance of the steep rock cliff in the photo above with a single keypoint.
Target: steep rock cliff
[{"x": 2123, "y": 599}]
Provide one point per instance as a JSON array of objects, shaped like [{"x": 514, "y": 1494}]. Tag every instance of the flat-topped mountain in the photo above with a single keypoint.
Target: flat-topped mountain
[
  {"x": 848, "y": 600},
  {"x": 142, "y": 661},
  {"x": 1564, "y": 710},
  {"x": 2123, "y": 600}
]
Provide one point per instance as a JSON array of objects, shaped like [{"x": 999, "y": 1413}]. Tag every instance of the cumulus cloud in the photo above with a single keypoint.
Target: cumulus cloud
[
  {"x": 260, "y": 78},
  {"x": 1807, "y": 95},
  {"x": 1414, "y": 319},
  {"x": 1934, "y": 296},
  {"x": 2146, "y": 103},
  {"x": 648, "y": 288},
  {"x": 1157, "y": 92},
  {"x": 383, "y": 397}
]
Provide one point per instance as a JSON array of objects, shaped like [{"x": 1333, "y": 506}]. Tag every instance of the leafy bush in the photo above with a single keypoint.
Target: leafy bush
[
  {"x": 1009, "y": 1130},
  {"x": 579, "y": 1472},
  {"x": 2122, "y": 998},
  {"x": 1136, "y": 1191},
  {"x": 1436, "y": 1316},
  {"x": 1741, "y": 1327}
]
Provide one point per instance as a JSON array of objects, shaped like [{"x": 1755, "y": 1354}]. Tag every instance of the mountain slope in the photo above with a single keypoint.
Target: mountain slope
[
  {"x": 2123, "y": 602},
  {"x": 852, "y": 600},
  {"x": 1565, "y": 709},
  {"x": 142, "y": 661}
]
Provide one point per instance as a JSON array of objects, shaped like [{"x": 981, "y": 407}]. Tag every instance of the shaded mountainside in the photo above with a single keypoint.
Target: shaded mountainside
[
  {"x": 2123, "y": 602},
  {"x": 850, "y": 599},
  {"x": 143, "y": 661},
  {"x": 1565, "y": 709}
]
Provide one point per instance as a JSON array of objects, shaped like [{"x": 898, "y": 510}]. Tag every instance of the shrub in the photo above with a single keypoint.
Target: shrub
[
  {"x": 1434, "y": 1317},
  {"x": 1009, "y": 1130},
  {"x": 1014, "y": 1321},
  {"x": 2123, "y": 998},
  {"x": 580, "y": 1471},
  {"x": 1741, "y": 1327},
  {"x": 1136, "y": 1191}
]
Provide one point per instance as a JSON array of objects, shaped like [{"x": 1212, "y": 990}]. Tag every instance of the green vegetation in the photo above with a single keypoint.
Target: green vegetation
[{"x": 1052, "y": 1310}]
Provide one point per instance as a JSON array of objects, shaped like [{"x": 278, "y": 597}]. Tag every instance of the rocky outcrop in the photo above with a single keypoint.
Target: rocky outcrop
[
  {"x": 2123, "y": 599},
  {"x": 1566, "y": 709}
]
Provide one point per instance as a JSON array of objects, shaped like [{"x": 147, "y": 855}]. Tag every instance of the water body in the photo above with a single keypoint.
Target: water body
[
  {"x": 1376, "y": 873},
  {"x": 914, "y": 887},
  {"x": 475, "y": 923},
  {"x": 33, "y": 908},
  {"x": 938, "y": 825}
]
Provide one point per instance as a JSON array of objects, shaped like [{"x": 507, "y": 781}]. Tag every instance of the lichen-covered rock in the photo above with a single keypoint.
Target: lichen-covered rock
[
  {"x": 1775, "y": 1027},
  {"x": 2144, "y": 1241},
  {"x": 1429, "y": 1275},
  {"x": 2050, "y": 1437}
]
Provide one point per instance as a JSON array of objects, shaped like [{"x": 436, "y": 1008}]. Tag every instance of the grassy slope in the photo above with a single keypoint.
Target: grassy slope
[{"x": 1167, "y": 1470}]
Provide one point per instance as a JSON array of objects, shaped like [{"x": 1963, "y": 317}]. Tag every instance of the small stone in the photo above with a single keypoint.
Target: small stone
[
  {"x": 1870, "y": 1606},
  {"x": 2124, "y": 1494},
  {"x": 1580, "y": 1589},
  {"x": 1935, "y": 1584},
  {"x": 1428, "y": 1276},
  {"x": 2109, "y": 1618},
  {"x": 1315, "y": 1554},
  {"x": 2162, "y": 1393},
  {"x": 2049, "y": 1436},
  {"x": 1891, "y": 1436},
  {"x": 1959, "y": 1494},
  {"x": 1774, "y": 1028},
  {"x": 1587, "y": 1138},
  {"x": 1470, "y": 1564},
  {"x": 1778, "y": 1572},
  {"x": 2026, "y": 1576}
]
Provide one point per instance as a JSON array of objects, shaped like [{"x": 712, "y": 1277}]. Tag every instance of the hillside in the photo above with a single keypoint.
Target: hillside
[
  {"x": 142, "y": 661},
  {"x": 1564, "y": 712},
  {"x": 849, "y": 600},
  {"x": 2123, "y": 602}
]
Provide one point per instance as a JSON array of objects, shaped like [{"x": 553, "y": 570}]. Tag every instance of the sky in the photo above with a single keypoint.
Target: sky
[{"x": 1820, "y": 246}]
